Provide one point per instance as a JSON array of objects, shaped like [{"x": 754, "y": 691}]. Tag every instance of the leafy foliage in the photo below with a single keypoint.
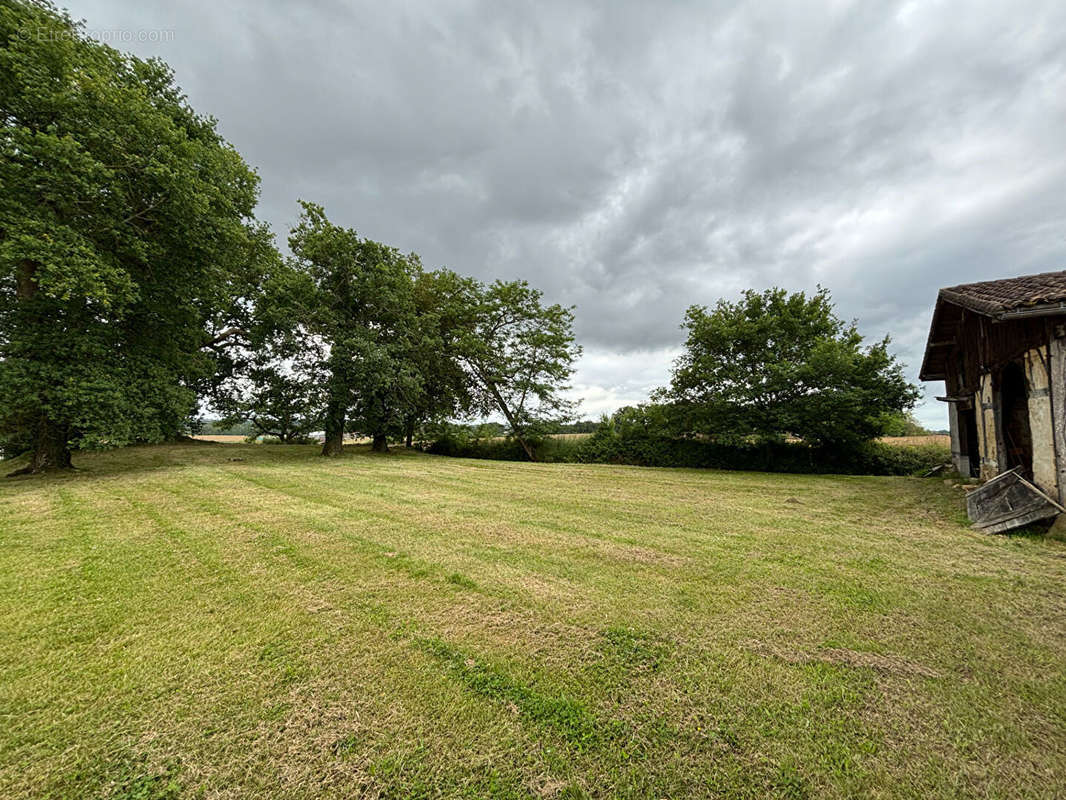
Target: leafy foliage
[
  {"x": 520, "y": 354},
  {"x": 356, "y": 297},
  {"x": 445, "y": 309},
  {"x": 776, "y": 364},
  {"x": 126, "y": 241},
  {"x": 903, "y": 424},
  {"x": 278, "y": 392},
  {"x": 643, "y": 436},
  {"x": 353, "y": 335}
]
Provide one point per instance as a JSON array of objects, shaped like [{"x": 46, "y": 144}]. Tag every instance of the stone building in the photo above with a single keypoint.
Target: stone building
[{"x": 1000, "y": 348}]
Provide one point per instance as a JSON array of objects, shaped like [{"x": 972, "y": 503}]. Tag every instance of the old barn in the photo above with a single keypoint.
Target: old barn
[{"x": 1000, "y": 348}]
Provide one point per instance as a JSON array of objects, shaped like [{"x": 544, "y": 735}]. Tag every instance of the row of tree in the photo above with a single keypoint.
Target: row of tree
[
  {"x": 771, "y": 373},
  {"x": 137, "y": 285},
  {"x": 137, "y": 288},
  {"x": 351, "y": 336}
]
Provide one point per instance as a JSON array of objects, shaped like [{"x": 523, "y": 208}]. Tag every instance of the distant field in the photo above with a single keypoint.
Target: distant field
[
  {"x": 550, "y": 436},
  {"x": 943, "y": 440},
  {"x": 210, "y": 621}
]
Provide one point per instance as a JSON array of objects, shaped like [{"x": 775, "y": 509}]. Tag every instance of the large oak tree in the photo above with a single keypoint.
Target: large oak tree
[
  {"x": 446, "y": 306},
  {"x": 126, "y": 242}
]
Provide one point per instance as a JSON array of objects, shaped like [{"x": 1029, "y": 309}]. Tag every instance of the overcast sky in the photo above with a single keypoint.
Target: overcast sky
[{"x": 636, "y": 158}]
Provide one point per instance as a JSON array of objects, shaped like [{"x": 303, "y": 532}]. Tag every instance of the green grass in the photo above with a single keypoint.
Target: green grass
[{"x": 174, "y": 623}]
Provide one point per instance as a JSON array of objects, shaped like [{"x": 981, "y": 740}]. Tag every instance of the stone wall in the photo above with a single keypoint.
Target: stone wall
[
  {"x": 1057, "y": 380},
  {"x": 1041, "y": 429}
]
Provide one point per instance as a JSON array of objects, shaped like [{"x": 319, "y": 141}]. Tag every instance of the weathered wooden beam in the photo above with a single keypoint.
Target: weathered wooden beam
[{"x": 1008, "y": 501}]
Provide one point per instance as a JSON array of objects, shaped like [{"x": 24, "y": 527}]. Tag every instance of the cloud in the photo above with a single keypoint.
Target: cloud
[{"x": 635, "y": 158}]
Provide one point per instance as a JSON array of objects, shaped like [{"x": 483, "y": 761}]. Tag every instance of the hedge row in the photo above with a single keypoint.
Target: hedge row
[{"x": 652, "y": 450}]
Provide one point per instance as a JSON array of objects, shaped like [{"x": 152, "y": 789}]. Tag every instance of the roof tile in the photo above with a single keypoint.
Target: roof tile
[{"x": 1008, "y": 294}]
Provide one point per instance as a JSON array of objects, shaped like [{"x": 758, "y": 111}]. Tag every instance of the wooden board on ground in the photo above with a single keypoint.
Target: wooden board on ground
[{"x": 1008, "y": 501}]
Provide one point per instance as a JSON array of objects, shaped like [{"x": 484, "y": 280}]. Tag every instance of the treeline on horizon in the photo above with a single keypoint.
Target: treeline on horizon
[
  {"x": 138, "y": 289},
  {"x": 217, "y": 426},
  {"x": 897, "y": 426}
]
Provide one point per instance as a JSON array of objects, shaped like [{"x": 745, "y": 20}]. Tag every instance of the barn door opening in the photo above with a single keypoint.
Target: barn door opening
[
  {"x": 968, "y": 440},
  {"x": 1014, "y": 405}
]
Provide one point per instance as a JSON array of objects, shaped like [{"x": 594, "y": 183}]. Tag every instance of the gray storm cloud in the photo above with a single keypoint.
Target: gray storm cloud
[{"x": 633, "y": 159}]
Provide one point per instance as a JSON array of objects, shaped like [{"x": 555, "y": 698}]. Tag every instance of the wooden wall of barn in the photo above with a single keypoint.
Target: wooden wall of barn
[
  {"x": 1045, "y": 374},
  {"x": 982, "y": 347}
]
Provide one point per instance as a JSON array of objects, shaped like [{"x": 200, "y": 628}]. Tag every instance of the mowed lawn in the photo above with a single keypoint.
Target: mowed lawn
[{"x": 212, "y": 620}]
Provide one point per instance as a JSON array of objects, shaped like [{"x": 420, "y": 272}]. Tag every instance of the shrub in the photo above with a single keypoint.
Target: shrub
[
  {"x": 621, "y": 443},
  {"x": 636, "y": 438},
  {"x": 276, "y": 440},
  {"x": 466, "y": 441}
]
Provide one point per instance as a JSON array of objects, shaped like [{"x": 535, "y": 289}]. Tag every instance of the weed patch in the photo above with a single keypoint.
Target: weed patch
[
  {"x": 632, "y": 650},
  {"x": 563, "y": 716},
  {"x": 138, "y": 781},
  {"x": 457, "y": 579}
]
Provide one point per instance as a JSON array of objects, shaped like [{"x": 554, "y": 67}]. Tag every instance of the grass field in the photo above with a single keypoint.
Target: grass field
[{"x": 211, "y": 620}]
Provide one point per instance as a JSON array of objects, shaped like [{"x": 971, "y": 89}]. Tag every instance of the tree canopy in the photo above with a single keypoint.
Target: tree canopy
[
  {"x": 402, "y": 346},
  {"x": 127, "y": 242},
  {"x": 356, "y": 297},
  {"x": 520, "y": 354},
  {"x": 276, "y": 388},
  {"x": 775, "y": 364}
]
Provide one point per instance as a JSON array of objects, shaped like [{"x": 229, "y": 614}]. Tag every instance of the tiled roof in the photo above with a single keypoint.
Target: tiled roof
[
  {"x": 1039, "y": 295},
  {"x": 1009, "y": 294}
]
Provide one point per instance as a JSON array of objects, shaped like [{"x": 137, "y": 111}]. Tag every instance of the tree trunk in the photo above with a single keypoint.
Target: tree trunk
[
  {"x": 50, "y": 439},
  {"x": 502, "y": 405},
  {"x": 50, "y": 449},
  {"x": 525, "y": 446},
  {"x": 410, "y": 437},
  {"x": 381, "y": 443},
  {"x": 334, "y": 442},
  {"x": 26, "y": 280}
]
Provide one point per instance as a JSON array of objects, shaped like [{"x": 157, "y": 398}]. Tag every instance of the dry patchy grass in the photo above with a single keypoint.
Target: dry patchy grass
[{"x": 176, "y": 623}]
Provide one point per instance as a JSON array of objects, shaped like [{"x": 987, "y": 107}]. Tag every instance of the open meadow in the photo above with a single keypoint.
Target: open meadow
[{"x": 224, "y": 621}]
